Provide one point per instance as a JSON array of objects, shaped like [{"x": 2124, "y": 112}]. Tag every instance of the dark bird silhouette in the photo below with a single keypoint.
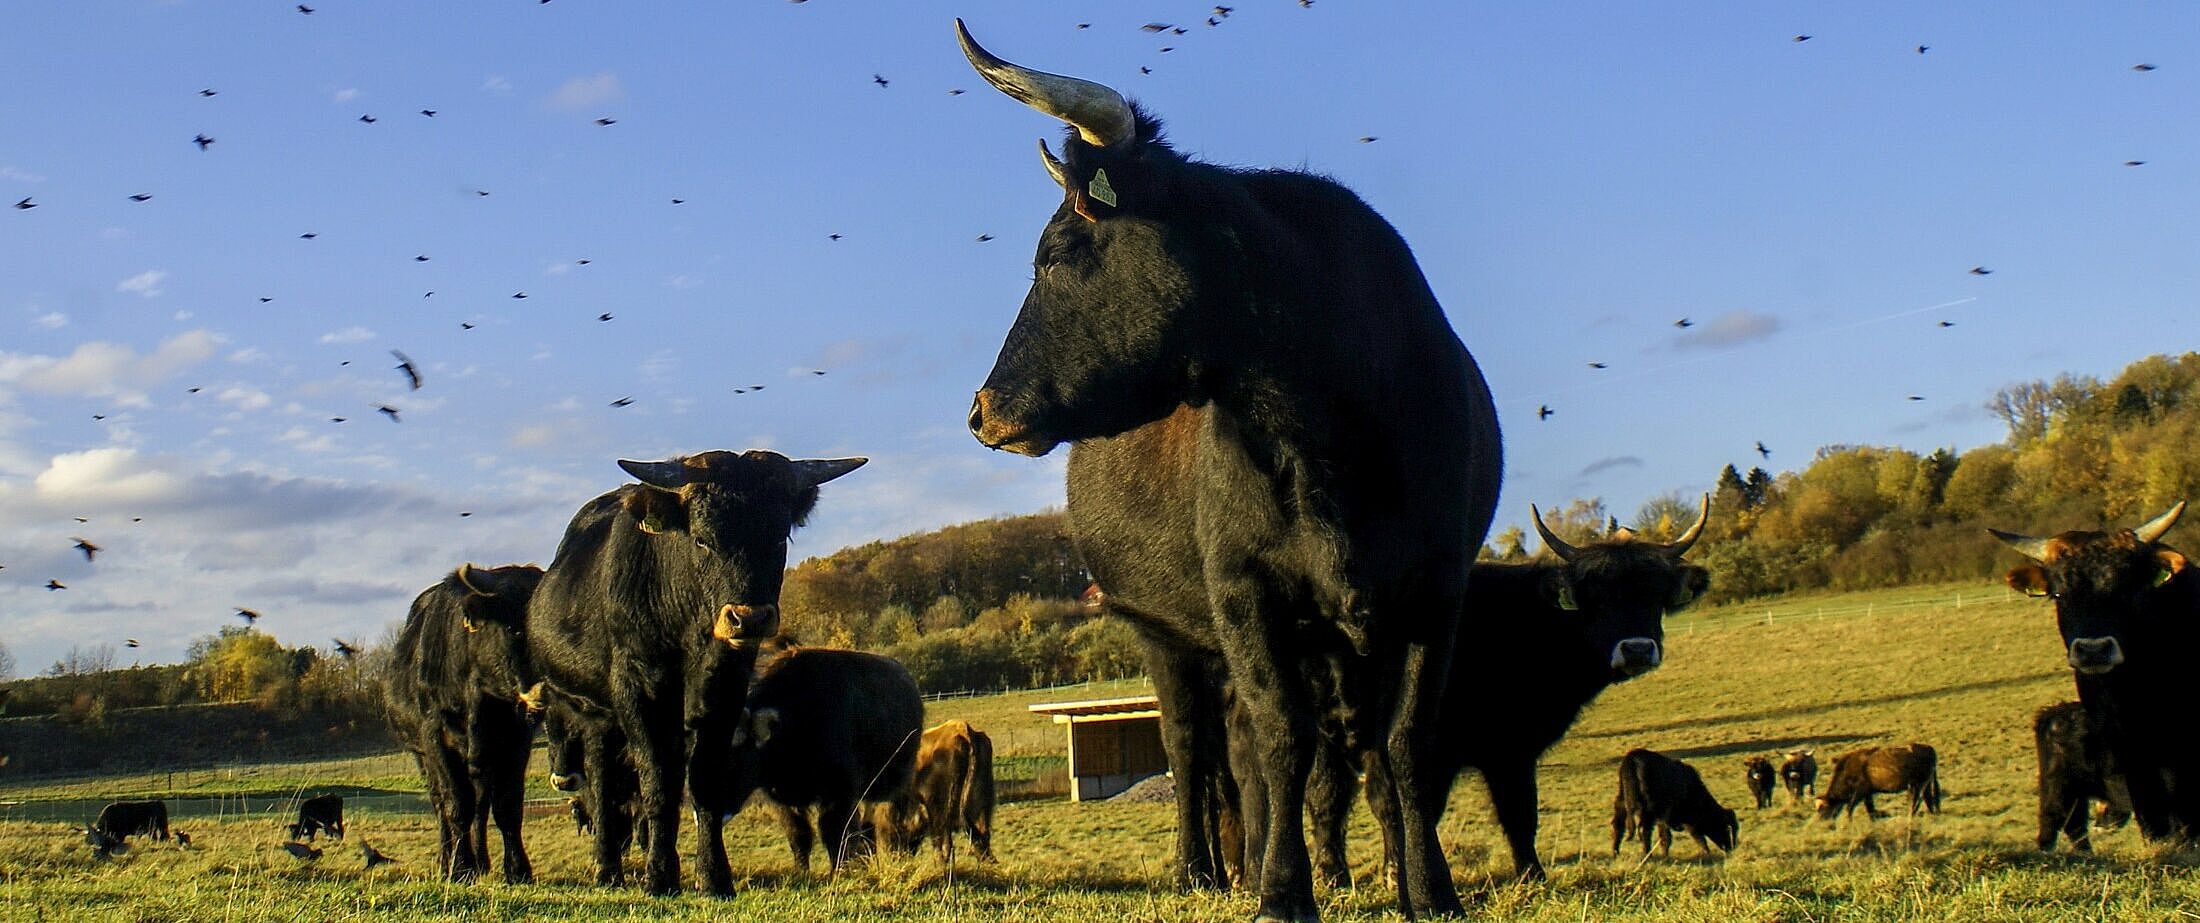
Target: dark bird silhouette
[
  {"x": 833, "y": 236},
  {"x": 338, "y": 419},
  {"x": 99, "y": 416},
  {"x": 1369, "y": 139},
  {"x": 81, "y": 519},
  {"x": 982, "y": 238},
  {"x": 202, "y": 141},
  {"x": 196, "y": 390},
  {"x": 955, "y": 92},
  {"x": 103, "y": 846},
  {"x": 604, "y": 316},
  {"x": 1762, "y": 451},
  {"x": 519, "y": 294},
  {"x": 583, "y": 262},
  {"x": 462, "y": 325},
  {"x": 1213, "y": 22},
  {"x": 343, "y": 649},
  {"x": 302, "y": 851},
  {"x": 129, "y": 642},
  {"x": 607, "y": 122},
  {"x": 388, "y": 411},
  {"x": 621, "y": 402},
  {"x": 52, "y": 585},
  {"x": 428, "y": 112},
  {"x": 264, "y": 299},
  {"x": 25, "y": 203},
  {"x": 2135, "y": 163},
  {"x": 208, "y": 92},
  {"x": 1981, "y": 271},
  {"x": 1165, "y": 49},
  {"x": 481, "y": 192},
  {"x": 141, "y": 197},
  {"x": 1915, "y": 397},
  {"x": 422, "y": 258},
  {"x": 1597, "y": 365},
  {"x": 90, "y": 550},
  {"x": 817, "y": 371},
  {"x": 1084, "y": 25},
  {"x": 1802, "y": 38},
  {"x": 2142, "y": 68},
  {"x": 1921, "y": 49},
  {"x": 1306, "y": 4},
  {"x": 250, "y": 617},
  {"x": 1178, "y": 30},
  {"x": 369, "y": 119},
  {"x": 465, "y": 514},
  {"x": 304, "y": 9},
  {"x": 405, "y": 365},
  {"x": 756, "y": 387},
  {"x": 679, "y": 201},
  {"x": 1143, "y": 69},
  {"x": 309, "y": 235},
  {"x": 373, "y": 856},
  {"x": 1543, "y": 412},
  {"x": 1154, "y": 27},
  {"x": 1947, "y": 323},
  {"x": 881, "y": 81},
  {"x": 1224, "y": 10},
  {"x": 183, "y": 840},
  {"x": 740, "y": 390},
  {"x": 1684, "y": 323}
]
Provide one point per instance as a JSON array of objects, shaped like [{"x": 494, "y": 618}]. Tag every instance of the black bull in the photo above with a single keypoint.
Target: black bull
[
  {"x": 651, "y": 613},
  {"x": 1282, "y": 454}
]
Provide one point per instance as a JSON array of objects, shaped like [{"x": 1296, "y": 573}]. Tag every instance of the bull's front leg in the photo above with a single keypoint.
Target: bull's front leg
[
  {"x": 1513, "y": 799},
  {"x": 1189, "y": 706},
  {"x": 660, "y": 756},
  {"x": 709, "y": 773},
  {"x": 1425, "y": 878},
  {"x": 1273, "y": 689}
]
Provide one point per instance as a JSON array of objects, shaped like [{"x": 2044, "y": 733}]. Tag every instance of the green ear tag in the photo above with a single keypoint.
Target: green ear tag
[
  {"x": 2162, "y": 576},
  {"x": 653, "y": 525},
  {"x": 1566, "y": 598},
  {"x": 1099, "y": 189}
]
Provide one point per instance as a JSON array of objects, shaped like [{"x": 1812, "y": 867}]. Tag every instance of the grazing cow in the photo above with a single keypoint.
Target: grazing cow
[
  {"x": 1799, "y": 773},
  {"x": 1758, "y": 773},
  {"x": 952, "y": 787},
  {"x": 1562, "y": 631},
  {"x": 830, "y": 730},
  {"x": 452, "y": 694},
  {"x": 2075, "y": 771},
  {"x": 1913, "y": 769},
  {"x": 1659, "y": 791},
  {"x": 2128, "y": 609},
  {"x": 651, "y": 614},
  {"x": 319, "y": 814},
  {"x": 121, "y": 820},
  {"x": 1281, "y": 455},
  {"x": 580, "y": 746}
]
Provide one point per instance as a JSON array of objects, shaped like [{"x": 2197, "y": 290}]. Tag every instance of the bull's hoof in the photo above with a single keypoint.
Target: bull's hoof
[
  {"x": 1279, "y": 912},
  {"x": 519, "y": 877}
]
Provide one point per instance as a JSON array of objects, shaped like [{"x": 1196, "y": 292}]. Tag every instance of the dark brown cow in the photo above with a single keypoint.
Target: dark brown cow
[
  {"x": 124, "y": 819},
  {"x": 952, "y": 787},
  {"x": 2075, "y": 771},
  {"x": 1913, "y": 769},
  {"x": 1659, "y": 791},
  {"x": 319, "y": 814},
  {"x": 1757, "y": 772},
  {"x": 832, "y": 730},
  {"x": 1799, "y": 772}
]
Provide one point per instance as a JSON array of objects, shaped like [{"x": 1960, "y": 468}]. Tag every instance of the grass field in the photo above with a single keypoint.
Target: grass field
[{"x": 1825, "y": 671}]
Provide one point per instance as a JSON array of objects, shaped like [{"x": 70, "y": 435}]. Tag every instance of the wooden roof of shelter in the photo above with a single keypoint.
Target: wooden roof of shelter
[{"x": 1137, "y": 706}]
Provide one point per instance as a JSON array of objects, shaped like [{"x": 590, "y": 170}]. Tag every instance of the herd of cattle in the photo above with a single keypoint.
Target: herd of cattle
[{"x": 1282, "y": 462}]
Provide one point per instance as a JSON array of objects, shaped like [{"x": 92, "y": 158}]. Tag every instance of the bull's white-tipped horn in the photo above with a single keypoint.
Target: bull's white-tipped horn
[
  {"x": 1681, "y": 545},
  {"x": 2155, "y": 527},
  {"x": 1558, "y": 546},
  {"x": 1099, "y": 114},
  {"x": 1054, "y": 165},
  {"x": 465, "y": 579},
  {"x": 810, "y": 472},
  {"x": 2034, "y": 548},
  {"x": 670, "y": 475}
]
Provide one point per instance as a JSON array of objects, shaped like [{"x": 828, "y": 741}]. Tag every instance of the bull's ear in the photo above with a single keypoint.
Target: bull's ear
[
  {"x": 2029, "y": 579},
  {"x": 1694, "y": 582},
  {"x": 658, "y": 511},
  {"x": 2171, "y": 563},
  {"x": 1557, "y": 591}
]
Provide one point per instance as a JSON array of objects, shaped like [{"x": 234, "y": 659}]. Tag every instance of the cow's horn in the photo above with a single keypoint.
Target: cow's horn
[
  {"x": 670, "y": 475},
  {"x": 1558, "y": 547},
  {"x": 1688, "y": 539},
  {"x": 810, "y": 472},
  {"x": 465, "y": 579},
  {"x": 1054, "y": 166},
  {"x": 2155, "y": 527},
  {"x": 1099, "y": 114},
  {"x": 2034, "y": 548}
]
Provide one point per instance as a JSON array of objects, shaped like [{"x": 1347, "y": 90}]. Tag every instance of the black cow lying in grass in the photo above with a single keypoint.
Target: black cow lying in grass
[
  {"x": 2075, "y": 772},
  {"x": 1659, "y": 791}
]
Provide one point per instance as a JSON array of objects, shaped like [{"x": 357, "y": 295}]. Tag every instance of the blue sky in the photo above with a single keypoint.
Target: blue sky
[{"x": 1574, "y": 178}]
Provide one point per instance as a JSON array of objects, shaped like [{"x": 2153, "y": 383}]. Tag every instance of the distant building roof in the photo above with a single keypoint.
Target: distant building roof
[{"x": 1137, "y": 706}]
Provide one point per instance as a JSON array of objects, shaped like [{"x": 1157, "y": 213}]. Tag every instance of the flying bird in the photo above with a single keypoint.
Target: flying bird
[
  {"x": 428, "y": 112},
  {"x": 679, "y": 201},
  {"x": 621, "y": 402},
  {"x": 422, "y": 258},
  {"x": 1802, "y": 38},
  {"x": 1084, "y": 25},
  {"x": 301, "y": 850},
  {"x": 1915, "y": 397},
  {"x": 1143, "y": 69},
  {"x": 956, "y": 92},
  {"x": 369, "y": 119},
  {"x": 1165, "y": 49},
  {"x": 208, "y": 92},
  {"x": 604, "y": 316},
  {"x": 309, "y": 235},
  {"x": 250, "y": 617},
  {"x": 583, "y": 261},
  {"x": 344, "y": 650},
  {"x": 833, "y": 236},
  {"x": 1981, "y": 271},
  {"x": 388, "y": 411},
  {"x": 264, "y": 299},
  {"x": 982, "y": 238},
  {"x": 1761, "y": 450},
  {"x": 405, "y": 365},
  {"x": 338, "y": 419},
  {"x": 1597, "y": 365},
  {"x": 1947, "y": 323},
  {"x": 519, "y": 294},
  {"x": 463, "y": 325},
  {"x": 99, "y": 416},
  {"x": 202, "y": 141},
  {"x": 1684, "y": 323},
  {"x": 817, "y": 371},
  {"x": 2135, "y": 163},
  {"x": 1224, "y": 10},
  {"x": 195, "y": 390},
  {"x": 607, "y": 122},
  {"x": 1543, "y": 412},
  {"x": 1921, "y": 49},
  {"x": 90, "y": 550},
  {"x": 81, "y": 519},
  {"x": 1369, "y": 139},
  {"x": 2142, "y": 68},
  {"x": 1154, "y": 27},
  {"x": 52, "y": 585},
  {"x": 375, "y": 856},
  {"x": 307, "y": 10},
  {"x": 130, "y": 642},
  {"x": 25, "y": 203},
  {"x": 881, "y": 81},
  {"x": 1213, "y": 22},
  {"x": 141, "y": 197}
]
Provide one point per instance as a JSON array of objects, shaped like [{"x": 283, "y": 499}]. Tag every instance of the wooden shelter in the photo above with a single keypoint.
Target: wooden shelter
[{"x": 1112, "y": 743}]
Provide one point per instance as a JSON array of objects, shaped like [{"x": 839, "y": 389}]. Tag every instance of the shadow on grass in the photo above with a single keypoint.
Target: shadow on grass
[{"x": 1770, "y": 714}]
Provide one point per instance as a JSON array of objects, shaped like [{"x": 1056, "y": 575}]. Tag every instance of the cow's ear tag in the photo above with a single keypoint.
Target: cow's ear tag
[
  {"x": 2162, "y": 575},
  {"x": 1566, "y": 598},
  {"x": 1099, "y": 189},
  {"x": 653, "y": 524}
]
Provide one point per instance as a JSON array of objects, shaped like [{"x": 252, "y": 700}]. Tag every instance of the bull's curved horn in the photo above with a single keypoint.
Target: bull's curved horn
[
  {"x": 670, "y": 475},
  {"x": 1680, "y": 546},
  {"x": 2155, "y": 527},
  {"x": 465, "y": 579},
  {"x": 2034, "y": 548},
  {"x": 1099, "y": 114},
  {"x": 810, "y": 472},
  {"x": 1054, "y": 166},
  {"x": 1558, "y": 547}
]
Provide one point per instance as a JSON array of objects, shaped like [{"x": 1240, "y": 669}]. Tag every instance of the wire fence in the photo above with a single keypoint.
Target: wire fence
[{"x": 1804, "y": 610}]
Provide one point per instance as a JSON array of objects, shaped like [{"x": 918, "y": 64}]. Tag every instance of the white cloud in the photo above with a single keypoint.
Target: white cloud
[
  {"x": 348, "y": 335},
  {"x": 20, "y": 176},
  {"x": 145, "y": 284},
  {"x": 682, "y": 282},
  {"x": 558, "y": 269},
  {"x": 497, "y": 84},
  {"x": 100, "y": 368},
  {"x": 581, "y": 93},
  {"x": 1733, "y": 328},
  {"x": 53, "y": 320},
  {"x": 308, "y": 440},
  {"x": 248, "y": 355},
  {"x": 114, "y": 233},
  {"x": 345, "y": 95},
  {"x": 184, "y": 315},
  {"x": 659, "y": 366},
  {"x": 245, "y": 398}
]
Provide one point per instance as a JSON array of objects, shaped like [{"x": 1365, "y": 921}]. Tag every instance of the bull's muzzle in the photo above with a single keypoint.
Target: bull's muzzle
[
  {"x": 566, "y": 781},
  {"x": 1636, "y": 656},
  {"x": 2094, "y": 656},
  {"x": 741, "y": 626},
  {"x": 995, "y": 431}
]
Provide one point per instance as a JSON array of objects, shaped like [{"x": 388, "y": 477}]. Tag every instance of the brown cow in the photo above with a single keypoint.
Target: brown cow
[
  {"x": 1860, "y": 774},
  {"x": 1757, "y": 773},
  {"x": 1800, "y": 773},
  {"x": 2075, "y": 770},
  {"x": 952, "y": 787}
]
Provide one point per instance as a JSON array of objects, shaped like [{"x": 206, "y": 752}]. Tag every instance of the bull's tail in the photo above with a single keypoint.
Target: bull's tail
[
  {"x": 976, "y": 809},
  {"x": 1932, "y": 788}
]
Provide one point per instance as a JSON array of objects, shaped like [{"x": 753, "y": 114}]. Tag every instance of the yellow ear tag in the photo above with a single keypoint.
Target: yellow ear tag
[
  {"x": 653, "y": 525},
  {"x": 1566, "y": 598},
  {"x": 1099, "y": 189},
  {"x": 2162, "y": 576}
]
